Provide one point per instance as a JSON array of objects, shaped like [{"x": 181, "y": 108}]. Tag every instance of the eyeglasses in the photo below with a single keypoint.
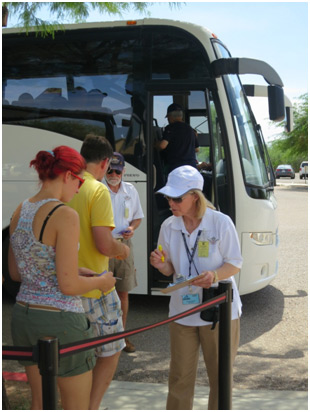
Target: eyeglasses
[
  {"x": 110, "y": 171},
  {"x": 177, "y": 199},
  {"x": 81, "y": 181}
]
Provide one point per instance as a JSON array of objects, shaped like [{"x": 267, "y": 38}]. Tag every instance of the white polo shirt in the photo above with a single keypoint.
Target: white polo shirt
[
  {"x": 126, "y": 206},
  {"x": 221, "y": 246}
]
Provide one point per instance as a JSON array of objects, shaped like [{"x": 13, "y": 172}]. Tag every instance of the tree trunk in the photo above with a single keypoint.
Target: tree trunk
[{"x": 5, "y": 14}]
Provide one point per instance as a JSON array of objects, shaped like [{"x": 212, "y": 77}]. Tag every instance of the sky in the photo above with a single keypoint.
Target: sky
[{"x": 275, "y": 32}]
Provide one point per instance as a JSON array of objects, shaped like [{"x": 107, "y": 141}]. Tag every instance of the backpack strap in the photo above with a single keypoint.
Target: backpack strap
[{"x": 46, "y": 220}]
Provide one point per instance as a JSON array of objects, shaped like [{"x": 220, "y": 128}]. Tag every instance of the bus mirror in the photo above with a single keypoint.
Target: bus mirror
[
  {"x": 242, "y": 65},
  {"x": 254, "y": 90},
  {"x": 289, "y": 119},
  {"x": 289, "y": 111},
  {"x": 276, "y": 103}
]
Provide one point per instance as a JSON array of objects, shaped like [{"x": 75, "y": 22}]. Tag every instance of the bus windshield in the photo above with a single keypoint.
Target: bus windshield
[
  {"x": 250, "y": 146},
  {"x": 252, "y": 157}
]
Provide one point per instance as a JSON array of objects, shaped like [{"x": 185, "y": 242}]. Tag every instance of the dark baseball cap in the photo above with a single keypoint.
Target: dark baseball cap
[
  {"x": 174, "y": 107},
  {"x": 117, "y": 161}
]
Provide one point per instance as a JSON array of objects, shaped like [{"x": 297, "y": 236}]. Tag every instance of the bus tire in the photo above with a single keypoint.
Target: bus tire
[{"x": 10, "y": 287}]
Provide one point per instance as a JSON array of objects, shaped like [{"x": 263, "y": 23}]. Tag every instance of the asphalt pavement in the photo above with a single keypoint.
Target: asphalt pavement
[{"x": 152, "y": 396}]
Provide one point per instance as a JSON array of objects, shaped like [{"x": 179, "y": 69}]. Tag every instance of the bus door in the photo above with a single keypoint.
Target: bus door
[
  {"x": 202, "y": 113},
  {"x": 222, "y": 195}
]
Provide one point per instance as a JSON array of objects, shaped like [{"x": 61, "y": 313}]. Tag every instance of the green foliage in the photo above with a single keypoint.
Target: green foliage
[
  {"x": 76, "y": 12},
  {"x": 292, "y": 148},
  {"x": 204, "y": 154}
]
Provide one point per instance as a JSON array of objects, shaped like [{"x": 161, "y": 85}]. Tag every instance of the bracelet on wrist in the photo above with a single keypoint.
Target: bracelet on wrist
[{"x": 216, "y": 277}]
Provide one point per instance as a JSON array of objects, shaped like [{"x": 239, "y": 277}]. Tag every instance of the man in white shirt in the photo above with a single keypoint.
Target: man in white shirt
[{"x": 127, "y": 217}]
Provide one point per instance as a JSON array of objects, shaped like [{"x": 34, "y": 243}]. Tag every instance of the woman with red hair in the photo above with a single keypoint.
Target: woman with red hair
[{"x": 43, "y": 256}]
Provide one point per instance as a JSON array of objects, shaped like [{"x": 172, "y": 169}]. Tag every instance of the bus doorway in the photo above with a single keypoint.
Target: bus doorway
[{"x": 212, "y": 156}]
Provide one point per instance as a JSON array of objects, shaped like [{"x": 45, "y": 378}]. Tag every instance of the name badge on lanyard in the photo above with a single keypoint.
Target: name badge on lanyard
[{"x": 190, "y": 299}]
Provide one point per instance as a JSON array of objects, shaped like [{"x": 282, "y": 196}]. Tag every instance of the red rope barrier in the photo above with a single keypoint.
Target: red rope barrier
[
  {"x": 21, "y": 353},
  {"x": 70, "y": 348}
]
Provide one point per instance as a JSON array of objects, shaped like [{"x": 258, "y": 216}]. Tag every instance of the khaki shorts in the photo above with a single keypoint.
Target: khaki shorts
[
  {"x": 105, "y": 316},
  {"x": 124, "y": 269},
  {"x": 29, "y": 325}
]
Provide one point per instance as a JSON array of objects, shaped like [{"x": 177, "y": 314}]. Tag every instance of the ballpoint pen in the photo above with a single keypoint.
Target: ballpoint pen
[
  {"x": 100, "y": 274},
  {"x": 106, "y": 272}
]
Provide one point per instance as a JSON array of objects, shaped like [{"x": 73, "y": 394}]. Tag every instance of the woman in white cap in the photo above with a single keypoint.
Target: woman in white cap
[{"x": 196, "y": 240}]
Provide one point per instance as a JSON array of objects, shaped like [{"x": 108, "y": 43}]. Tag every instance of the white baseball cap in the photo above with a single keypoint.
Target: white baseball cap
[{"x": 181, "y": 180}]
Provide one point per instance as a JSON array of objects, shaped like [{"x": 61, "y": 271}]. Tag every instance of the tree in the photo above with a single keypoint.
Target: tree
[
  {"x": 75, "y": 12},
  {"x": 292, "y": 148}
]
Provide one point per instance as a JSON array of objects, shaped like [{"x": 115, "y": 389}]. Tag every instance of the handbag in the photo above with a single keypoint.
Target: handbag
[{"x": 212, "y": 314}]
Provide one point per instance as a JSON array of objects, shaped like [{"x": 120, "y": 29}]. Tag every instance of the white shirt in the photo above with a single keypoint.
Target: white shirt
[
  {"x": 223, "y": 247},
  {"x": 126, "y": 206}
]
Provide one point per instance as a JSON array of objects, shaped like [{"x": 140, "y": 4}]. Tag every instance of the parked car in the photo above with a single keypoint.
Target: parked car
[
  {"x": 303, "y": 170},
  {"x": 285, "y": 171}
]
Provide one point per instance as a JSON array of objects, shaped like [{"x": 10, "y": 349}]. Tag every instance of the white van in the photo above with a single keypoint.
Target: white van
[{"x": 303, "y": 170}]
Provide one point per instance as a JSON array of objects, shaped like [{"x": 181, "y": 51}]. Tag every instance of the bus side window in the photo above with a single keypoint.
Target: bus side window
[
  {"x": 77, "y": 98},
  {"x": 25, "y": 99}
]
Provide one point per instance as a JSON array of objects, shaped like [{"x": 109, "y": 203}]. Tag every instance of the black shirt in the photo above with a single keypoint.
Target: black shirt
[{"x": 181, "y": 148}]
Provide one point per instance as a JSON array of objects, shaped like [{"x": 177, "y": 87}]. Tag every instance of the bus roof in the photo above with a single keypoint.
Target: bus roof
[{"x": 190, "y": 27}]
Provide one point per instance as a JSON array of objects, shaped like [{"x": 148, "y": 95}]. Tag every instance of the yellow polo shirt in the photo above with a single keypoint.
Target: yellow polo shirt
[{"x": 93, "y": 204}]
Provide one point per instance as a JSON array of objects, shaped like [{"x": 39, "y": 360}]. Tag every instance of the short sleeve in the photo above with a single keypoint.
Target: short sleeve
[{"x": 101, "y": 208}]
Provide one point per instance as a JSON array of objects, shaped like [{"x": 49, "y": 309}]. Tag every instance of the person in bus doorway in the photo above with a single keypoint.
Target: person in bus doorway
[
  {"x": 128, "y": 215},
  {"x": 43, "y": 256},
  {"x": 195, "y": 240},
  {"x": 179, "y": 143},
  {"x": 97, "y": 245}
]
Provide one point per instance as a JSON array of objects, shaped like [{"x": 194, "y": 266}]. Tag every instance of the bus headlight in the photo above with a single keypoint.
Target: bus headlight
[{"x": 262, "y": 238}]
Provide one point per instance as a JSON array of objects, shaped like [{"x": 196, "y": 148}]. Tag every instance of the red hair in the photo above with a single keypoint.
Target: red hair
[{"x": 50, "y": 164}]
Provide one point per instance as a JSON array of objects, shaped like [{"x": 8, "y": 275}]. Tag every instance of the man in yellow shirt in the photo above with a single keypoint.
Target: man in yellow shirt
[{"x": 97, "y": 245}]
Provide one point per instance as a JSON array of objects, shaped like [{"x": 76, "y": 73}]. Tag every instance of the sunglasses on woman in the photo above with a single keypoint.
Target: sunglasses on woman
[
  {"x": 177, "y": 199},
  {"x": 81, "y": 181},
  {"x": 110, "y": 171}
]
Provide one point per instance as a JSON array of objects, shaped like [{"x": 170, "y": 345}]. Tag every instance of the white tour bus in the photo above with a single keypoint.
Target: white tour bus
[{"x": 116, "y": 80}]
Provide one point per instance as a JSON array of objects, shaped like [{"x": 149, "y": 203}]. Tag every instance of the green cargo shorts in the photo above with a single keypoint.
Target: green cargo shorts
[{"x": 28, "y": 325}]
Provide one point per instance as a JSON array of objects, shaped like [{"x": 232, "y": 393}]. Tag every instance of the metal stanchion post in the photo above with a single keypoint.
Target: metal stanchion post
[
  {"x": 48, "y": 365},
  {"x": 225, "y": 366}
]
